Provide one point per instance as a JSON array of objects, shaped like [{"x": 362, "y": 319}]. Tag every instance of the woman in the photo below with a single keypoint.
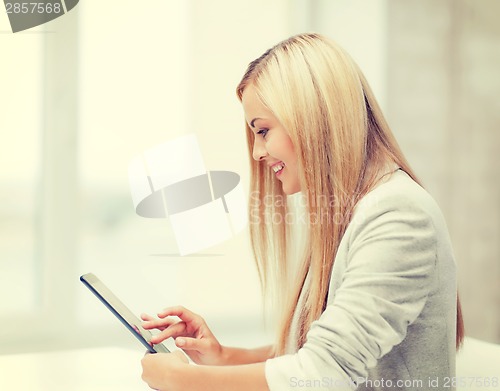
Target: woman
[{"x": 374, "y": 303}]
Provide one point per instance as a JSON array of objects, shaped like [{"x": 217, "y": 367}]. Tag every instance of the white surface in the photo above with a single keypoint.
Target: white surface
[
  {"x": 478, "y": 364},
  {"x": 120, "y": 369},
  {"x": 77, "y": 370}
]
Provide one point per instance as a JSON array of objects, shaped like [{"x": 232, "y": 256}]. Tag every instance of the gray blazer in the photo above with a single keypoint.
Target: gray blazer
[{"x": 390, "y": 322}]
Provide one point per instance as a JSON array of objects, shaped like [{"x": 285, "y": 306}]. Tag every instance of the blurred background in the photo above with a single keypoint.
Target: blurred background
[{"x": 84, "y": 94}]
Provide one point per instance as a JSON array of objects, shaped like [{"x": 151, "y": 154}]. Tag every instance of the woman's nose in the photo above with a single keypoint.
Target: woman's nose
[{"x": 259, "y": 151}]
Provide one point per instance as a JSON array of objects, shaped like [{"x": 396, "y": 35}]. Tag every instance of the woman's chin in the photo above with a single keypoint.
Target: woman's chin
[{"x": 289, "y": 190}]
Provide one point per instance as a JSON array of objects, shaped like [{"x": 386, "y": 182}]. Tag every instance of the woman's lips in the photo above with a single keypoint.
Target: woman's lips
[{"x": 278, "y": 168}]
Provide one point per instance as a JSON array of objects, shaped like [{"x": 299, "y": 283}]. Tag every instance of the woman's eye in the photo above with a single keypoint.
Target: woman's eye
[{"x": 263, "y": 132}]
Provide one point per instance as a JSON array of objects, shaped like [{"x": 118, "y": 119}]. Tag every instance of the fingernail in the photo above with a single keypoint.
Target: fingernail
[{"x": 180, "y": 342}]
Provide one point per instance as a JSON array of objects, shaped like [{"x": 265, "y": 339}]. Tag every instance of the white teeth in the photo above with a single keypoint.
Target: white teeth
[{"x": 278, "y": 167}]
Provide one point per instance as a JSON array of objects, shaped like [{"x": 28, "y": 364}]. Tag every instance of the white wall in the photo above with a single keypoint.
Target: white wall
[{"x": 359, "y": 26}]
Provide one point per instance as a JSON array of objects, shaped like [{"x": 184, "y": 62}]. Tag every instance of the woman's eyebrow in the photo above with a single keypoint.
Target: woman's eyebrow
[{"x": 252, "y": 122}]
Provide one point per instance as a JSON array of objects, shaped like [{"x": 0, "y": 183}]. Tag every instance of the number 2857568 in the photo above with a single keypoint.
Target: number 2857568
[{"x": 34, "y": 8}]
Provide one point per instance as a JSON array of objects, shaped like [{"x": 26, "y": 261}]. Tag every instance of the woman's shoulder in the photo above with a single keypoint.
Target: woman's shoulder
[
  {"x": 398, "y": 201},
  {"x": 399, "y": 192}
]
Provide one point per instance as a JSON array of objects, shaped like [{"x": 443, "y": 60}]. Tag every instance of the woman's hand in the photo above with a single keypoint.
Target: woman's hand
[
  {"x": 191, "y": 334},
  {"x": 164, "y": 371},
  {"x": 171, "y": 372}
]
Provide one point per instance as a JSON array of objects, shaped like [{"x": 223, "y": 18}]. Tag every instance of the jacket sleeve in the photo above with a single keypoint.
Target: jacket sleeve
[{"x": 390, "y": 267}]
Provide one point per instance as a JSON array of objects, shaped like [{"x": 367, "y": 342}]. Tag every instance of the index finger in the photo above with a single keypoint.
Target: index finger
[{"x": 179, "y": 311}]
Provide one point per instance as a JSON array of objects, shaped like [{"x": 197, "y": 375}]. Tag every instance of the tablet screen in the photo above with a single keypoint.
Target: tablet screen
[{"x": 127, "y": 317}]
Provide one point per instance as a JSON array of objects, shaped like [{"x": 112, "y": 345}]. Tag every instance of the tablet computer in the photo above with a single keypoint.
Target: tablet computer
[{"x": 124, "y": 315}]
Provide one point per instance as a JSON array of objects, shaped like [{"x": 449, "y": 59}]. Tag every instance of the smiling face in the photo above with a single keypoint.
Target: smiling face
[{"x": 272, "y": 144}]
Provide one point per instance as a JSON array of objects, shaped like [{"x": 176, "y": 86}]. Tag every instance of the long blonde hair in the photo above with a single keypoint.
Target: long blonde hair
[{"x": 322, "y": 99}]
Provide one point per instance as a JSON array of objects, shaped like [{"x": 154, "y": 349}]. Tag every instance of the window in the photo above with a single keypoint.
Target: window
[{"x": 20, "y": 159}]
